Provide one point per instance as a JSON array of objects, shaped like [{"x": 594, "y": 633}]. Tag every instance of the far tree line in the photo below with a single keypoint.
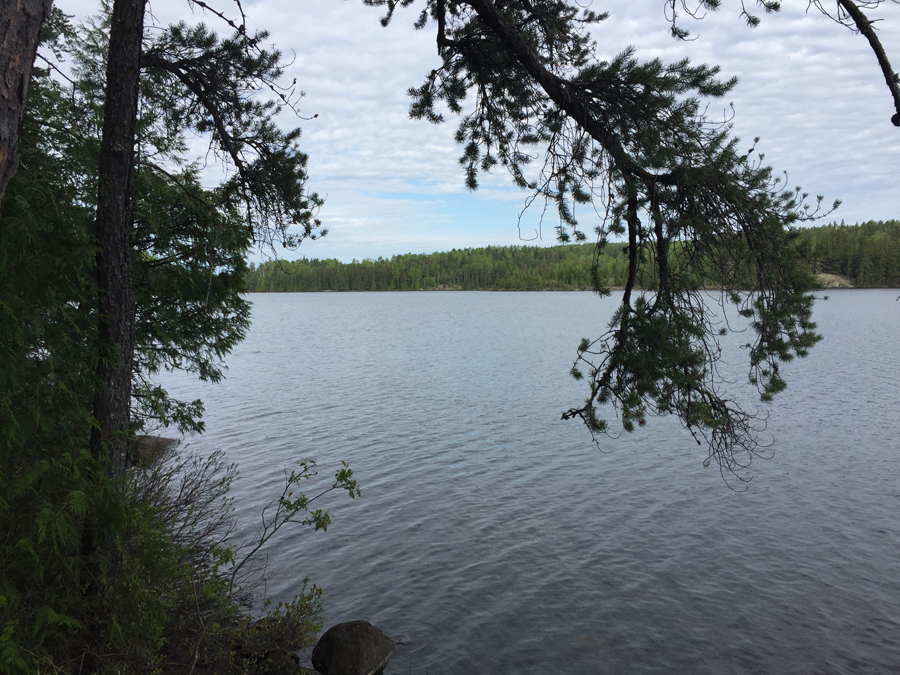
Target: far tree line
[{"x": 868, "y": 254}]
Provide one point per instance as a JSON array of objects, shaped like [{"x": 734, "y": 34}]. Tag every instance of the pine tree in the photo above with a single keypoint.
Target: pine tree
[
  {"x": 87, "y": 568},
  {"x": 20, "y": 28},
  {"x": 632, "y": 138}
]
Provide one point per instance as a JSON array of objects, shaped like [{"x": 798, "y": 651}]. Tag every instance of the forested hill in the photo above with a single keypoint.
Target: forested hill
[
  {"x": 490, "y": 268},
  {"x": 867, "y": 254}
]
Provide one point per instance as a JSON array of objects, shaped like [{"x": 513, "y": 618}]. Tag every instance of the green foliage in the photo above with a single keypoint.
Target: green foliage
[
  {"x": 189, "y": 267},
  {"x": 209, "y": 85},
  {"x": 46, "y": 262},
  {"x": 513, "y": 268},
  {"x": 268, "y": 644},
  {"x": 210, "y": 576},
  {"x": 632, "y": 139},
  {"x": 135, "y": 576},
  {"x": 867, "y": 253}
]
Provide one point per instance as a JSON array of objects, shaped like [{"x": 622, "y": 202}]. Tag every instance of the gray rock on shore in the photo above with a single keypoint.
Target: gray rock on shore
[
  {"x": 833, "y": 281},
  {"x": 352, "y": 648}
]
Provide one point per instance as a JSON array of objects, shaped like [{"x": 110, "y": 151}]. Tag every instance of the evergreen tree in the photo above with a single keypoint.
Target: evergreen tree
[
  {"x": 95, "y": 560},
  {"x": 632, "y": 138},
  {"x": 20, "y": 28}
]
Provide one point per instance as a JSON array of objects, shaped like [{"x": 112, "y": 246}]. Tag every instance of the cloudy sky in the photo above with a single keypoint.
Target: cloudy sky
[{"x": 809, "y": 88}]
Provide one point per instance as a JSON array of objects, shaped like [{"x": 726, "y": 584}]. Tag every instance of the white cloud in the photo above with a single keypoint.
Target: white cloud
[{"x": 809, "y": 88}]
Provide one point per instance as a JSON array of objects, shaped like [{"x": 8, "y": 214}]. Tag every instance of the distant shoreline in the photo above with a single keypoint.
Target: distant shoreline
[
  {"x": 613, "y": 289},
  {"x": 829, "y": 282},
  {"x": 860, "y": 256}
]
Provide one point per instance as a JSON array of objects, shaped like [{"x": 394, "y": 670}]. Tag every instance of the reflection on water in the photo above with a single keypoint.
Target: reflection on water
[{"x": 495, "y": 538}]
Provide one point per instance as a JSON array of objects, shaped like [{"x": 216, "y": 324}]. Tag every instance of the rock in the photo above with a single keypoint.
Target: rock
[
  {"x": 352, "y": 648},
  {"x": 833, "y": 281},
  {"x": 148, "y": 450}
]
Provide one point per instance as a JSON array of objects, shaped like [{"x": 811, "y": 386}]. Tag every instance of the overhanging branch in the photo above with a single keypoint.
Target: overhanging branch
[{"x": 865, "y": 27}]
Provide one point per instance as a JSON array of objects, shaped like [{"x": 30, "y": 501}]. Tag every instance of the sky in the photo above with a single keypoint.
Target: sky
[{"x": 809, "y": 88}]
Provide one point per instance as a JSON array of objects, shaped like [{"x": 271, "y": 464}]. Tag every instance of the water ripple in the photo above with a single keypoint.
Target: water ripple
[{"x": 494, "y": 538}]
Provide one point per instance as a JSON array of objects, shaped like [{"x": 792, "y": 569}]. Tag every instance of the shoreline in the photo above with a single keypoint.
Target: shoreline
[{"x": 613, "y": 289}]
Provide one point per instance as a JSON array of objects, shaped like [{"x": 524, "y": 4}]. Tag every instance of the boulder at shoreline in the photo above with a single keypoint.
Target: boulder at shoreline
[{"x": 352, "y": 648}]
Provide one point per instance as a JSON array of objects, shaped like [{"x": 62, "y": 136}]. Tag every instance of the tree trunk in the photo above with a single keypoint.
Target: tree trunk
[
  {"x": 865, "y": 26},
  {"x": 20, "y": 28},
  {"x": 112, "y": 404}
]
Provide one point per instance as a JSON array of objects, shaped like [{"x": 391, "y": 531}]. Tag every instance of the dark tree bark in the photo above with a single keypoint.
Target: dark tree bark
[
  {"x": 112, "y": 403},
  {"x": 864, "y": 26},
  {"x": 20, "y": 28}
]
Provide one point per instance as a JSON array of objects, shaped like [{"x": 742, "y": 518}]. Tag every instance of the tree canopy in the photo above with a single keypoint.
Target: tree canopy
[
  {"x": 632, "y": 138},
  {"x": 106, "y": 563}
]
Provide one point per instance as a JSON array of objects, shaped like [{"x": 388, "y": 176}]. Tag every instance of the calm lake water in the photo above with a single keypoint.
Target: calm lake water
[{"x": 493, "y": 538}]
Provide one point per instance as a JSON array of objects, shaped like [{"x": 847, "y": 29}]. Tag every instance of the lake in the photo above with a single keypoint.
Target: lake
[{"x": 492, "y": 537}]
